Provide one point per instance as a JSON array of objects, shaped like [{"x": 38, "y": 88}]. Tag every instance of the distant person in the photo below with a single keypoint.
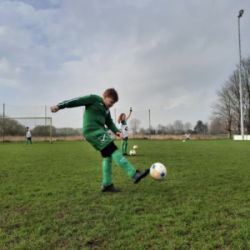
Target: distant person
[
  {"x": 187, "y": 136},
  {"x": 97, "y": 115},
  {"x": 122, "y": 120},
  {"x": 28, "y": 137}
]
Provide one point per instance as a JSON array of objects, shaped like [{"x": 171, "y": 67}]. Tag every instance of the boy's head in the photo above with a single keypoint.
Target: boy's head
[
  {"x": 27, "y": 128},
  {"x": 110, "y": 97}
]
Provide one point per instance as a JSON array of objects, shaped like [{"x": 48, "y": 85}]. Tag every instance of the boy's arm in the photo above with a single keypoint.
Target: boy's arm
[
  {"x": 111, "y": 125},
  {"x": 120, "y": 134},
  {"x": 130, "y": 111},
  {"x": 76, "y": 102}
]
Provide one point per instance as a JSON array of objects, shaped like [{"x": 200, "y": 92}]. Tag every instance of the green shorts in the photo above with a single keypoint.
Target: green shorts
[{"x": 99, "y": 139}]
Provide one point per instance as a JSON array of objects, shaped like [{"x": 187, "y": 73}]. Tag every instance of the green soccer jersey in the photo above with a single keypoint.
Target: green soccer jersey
[{"x": 96, "y": 114}]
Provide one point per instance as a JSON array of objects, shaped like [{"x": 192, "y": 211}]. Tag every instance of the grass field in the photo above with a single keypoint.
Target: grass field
[{"x": 50, "y": 197}]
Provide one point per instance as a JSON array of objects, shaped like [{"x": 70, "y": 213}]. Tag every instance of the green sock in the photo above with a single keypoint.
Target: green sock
[
  {"x": 107, "y": 171},
  {"x": 126, "y": 145},
  {"x": 26, "y": 142},
  {"x": 123, "y": 163},
  {"x": 122, "y": 147}
]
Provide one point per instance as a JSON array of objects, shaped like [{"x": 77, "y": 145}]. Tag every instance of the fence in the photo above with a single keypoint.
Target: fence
[{"x": 67, "y": 124}]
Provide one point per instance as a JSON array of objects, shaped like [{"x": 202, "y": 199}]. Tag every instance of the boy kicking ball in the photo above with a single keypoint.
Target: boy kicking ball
[{"x": 97, "y": 115}]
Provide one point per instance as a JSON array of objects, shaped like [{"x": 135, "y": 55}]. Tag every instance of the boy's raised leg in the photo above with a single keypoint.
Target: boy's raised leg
[{"x": 122, "y": 162}]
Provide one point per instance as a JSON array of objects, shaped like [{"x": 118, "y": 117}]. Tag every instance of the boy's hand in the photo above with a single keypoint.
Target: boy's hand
[
  {"x": 120, "y": 134},
  {"x": 54, "y": 109}
]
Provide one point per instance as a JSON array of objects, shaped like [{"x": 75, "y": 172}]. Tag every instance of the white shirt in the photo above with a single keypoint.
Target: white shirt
[
  {"x": 124, "y": 127},
  {"x": 28, "y": 134},
  {"x": 187, "y": 135}
]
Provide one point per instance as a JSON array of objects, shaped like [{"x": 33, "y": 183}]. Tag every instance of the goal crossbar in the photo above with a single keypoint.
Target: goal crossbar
[{"x": 43, "y": 118}]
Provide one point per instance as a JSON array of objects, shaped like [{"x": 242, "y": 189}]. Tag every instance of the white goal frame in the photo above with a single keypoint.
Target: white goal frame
[{"x": 40, "y": 118}]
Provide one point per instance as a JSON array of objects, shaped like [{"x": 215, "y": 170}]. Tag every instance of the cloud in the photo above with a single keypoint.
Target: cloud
[
  {"x": 179, "y": 101},
  {"x": 169, "y": 56},
  {"x": 7, "y": 78}
]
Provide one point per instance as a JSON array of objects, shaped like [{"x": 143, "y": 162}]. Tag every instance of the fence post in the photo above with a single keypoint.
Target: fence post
[
  {"x": 45, "y": 122},
  {"x": 50, "y": 130},
  {"x": 115, "y": 120},
  {"x": 149, "y": 124},
  {"x": 3, "y": 120}
]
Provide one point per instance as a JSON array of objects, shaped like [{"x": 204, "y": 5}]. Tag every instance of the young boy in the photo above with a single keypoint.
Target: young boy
[
  {"x": 187, "y": 136},
  {"x": 97, "y": 115},
  {"x": 28, "y": 136}
]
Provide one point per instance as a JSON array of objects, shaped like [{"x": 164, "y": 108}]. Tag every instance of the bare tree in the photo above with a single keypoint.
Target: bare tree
[
  {"x": 161, "y": 130},
  {"x": 178, "y": 127},
  {"x": 187, "y": 126},
  {"x": 134, "y": 125},
  {"x": 216, "y": 125},
  {"x": 246, "y": 83},
  {"x": 234, "y": 90},
  {"x": 223, "y": 107},
  {"x": 170, "y": 129}
]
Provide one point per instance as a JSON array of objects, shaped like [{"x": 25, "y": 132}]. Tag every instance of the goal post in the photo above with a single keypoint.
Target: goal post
[{"x": 13, "y": 128}]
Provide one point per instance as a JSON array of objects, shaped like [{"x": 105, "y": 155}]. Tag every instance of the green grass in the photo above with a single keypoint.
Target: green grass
[{"x": 50, "y": 197}]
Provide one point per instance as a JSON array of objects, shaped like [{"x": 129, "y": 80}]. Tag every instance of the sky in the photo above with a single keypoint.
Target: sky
[{"x": 169, "y": 57}]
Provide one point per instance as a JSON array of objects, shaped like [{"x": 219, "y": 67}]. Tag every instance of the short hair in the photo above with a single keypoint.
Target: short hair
[
  {"x": 111, "y": 93},
  {"x": 27, "y": 127}
]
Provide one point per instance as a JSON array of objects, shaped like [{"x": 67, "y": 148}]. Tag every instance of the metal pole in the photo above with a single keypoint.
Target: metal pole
[
  {"x": 45, "y": 123},
  {"x": 115, "y": 121},
  {"x": 149, "y": 124},
  {"x": 3, "y": 119},
  {"x": 241, "y": 105},
  {"x": 50, "y": 130}
]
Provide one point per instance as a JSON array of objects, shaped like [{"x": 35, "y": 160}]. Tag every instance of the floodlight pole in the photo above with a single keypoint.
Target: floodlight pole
[{"x": 241, "y": 105}]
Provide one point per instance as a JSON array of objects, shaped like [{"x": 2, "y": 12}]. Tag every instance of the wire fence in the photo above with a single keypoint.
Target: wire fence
[{"x": 67, "y": 124}]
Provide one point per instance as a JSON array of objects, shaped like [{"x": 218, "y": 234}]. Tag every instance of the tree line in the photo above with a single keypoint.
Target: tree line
[
  {"x": 12, "y": 127},
  {"x": 226, "y": 111},
  {"x": 177, "y": 128}
]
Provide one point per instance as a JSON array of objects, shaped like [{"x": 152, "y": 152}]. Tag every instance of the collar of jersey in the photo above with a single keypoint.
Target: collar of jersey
[{"x": 104, "y": 104}]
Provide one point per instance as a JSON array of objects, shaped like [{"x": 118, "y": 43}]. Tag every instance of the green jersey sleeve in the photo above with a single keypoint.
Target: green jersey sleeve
[
  {"x": 77, "y": 102},
  {"x": 111, "y": 125}
]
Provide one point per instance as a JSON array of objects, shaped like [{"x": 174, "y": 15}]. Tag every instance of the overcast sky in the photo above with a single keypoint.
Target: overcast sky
[{"x": 166, "y": 56}]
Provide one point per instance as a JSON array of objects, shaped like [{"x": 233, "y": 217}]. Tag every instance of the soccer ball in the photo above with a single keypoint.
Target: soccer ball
[
  {"x": 158, "y": 171},
  {"x": 135, "y": 147},
  {"x": 183, "y": 140},
  {"x": 132, "y": 152}
]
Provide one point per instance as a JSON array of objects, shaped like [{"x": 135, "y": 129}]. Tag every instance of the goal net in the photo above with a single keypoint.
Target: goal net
[{"x": 14, "y": 128}]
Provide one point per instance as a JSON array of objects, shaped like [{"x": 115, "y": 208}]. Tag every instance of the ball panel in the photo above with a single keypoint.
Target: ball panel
[{"x": 155, "y": 174}]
